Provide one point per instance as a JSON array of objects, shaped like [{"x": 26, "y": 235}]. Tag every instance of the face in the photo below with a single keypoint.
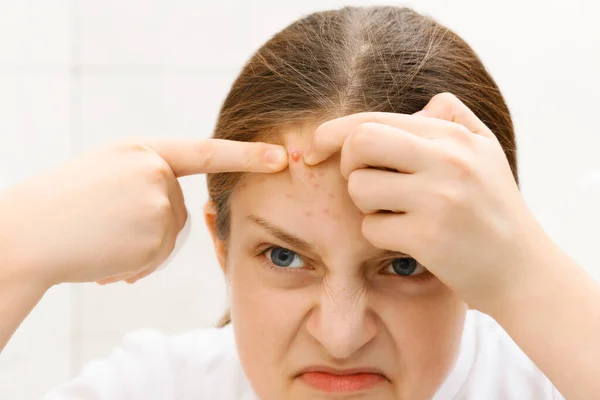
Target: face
[{"x": 319, "y": 313}]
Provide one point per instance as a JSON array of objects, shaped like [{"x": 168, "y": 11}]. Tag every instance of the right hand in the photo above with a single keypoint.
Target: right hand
[{"x": 115, "y": 214}]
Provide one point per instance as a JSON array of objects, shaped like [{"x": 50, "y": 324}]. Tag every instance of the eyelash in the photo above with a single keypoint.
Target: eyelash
[
  {"x": 415, "y": 278},
  {"x": 274, "y": 267}
]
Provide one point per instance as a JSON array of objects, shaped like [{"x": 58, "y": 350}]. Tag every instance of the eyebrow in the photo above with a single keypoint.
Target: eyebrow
[
  {"x": 283, "y": 235},
  {"x": 303, "y": 245}
]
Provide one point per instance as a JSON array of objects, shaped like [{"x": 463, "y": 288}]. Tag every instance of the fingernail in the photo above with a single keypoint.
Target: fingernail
[{"x": 276, "y": 157}]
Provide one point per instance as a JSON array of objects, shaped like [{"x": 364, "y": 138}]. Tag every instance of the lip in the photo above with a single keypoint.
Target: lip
[{"x": 332, "y": 380}]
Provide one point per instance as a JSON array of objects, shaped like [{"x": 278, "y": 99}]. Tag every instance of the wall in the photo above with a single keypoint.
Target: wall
[{"x": 75, "y": 74}]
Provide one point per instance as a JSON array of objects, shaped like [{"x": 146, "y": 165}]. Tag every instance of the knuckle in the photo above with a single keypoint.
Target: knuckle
[
  {"x": 131, "y": 147},
  {"x": 443, "y": 104},
  {"x": 462, "y": 162},
  {"x": 206, "y": 152},
  {"x": 362, "y": 135},
  {"x": 157, "y": 170},
  {"x": 461, "y": 134},
  {"x": 445, "y": 97},
  {"x": 449, "y": 196},
  {"x": 162, "y": 209},
  {"x": 253, "y": 155},
  {"x": 319, "y": 139}
]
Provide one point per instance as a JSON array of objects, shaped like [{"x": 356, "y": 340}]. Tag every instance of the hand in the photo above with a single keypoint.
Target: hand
[
  {"x": 114, "y": 214},
  {"x": 447, "y": 194}
]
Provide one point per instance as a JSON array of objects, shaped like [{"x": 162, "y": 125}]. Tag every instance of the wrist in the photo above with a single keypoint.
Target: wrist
[
  {"x": 538, "y": 278},
  {"x": 16, "y": 262}
]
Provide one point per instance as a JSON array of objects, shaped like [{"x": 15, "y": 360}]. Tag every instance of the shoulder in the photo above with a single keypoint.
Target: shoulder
[
  {"x": 151, "y": 365},
  {"x": 500, "y": 369}
]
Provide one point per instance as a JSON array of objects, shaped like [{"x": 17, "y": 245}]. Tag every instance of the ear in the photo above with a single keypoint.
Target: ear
[{"x": 210, "y": 217}]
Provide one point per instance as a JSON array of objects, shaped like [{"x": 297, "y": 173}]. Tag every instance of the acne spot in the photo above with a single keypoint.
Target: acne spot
[
  {"x": 316, "y": 185},
  {"x": 289, "y": 196},
  {"x": 295, "y": 155},
  {"x": 326, "y": 211},
  {"x": 331, "y": 195}
]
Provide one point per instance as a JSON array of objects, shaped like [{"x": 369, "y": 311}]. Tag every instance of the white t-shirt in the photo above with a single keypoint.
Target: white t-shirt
[{"x": 204, "y": 365}]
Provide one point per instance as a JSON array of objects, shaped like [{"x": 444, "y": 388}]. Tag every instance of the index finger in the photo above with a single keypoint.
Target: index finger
[
  {"x": 331, "y": 135},
  {"x": 432, "y": 122},
  {"x": 190, "y": 157}
]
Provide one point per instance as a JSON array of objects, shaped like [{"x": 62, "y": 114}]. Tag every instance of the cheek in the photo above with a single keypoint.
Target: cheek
[
  {"x": 426, "y": 330},
  {"x": 266, "y": 320}
]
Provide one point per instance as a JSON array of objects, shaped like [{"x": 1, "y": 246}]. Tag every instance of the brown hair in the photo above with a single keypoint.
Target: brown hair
[{"x": 335, "y": 63}]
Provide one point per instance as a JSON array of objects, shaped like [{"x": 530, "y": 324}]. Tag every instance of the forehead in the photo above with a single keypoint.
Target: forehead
[{"x": 312, "y": 202}]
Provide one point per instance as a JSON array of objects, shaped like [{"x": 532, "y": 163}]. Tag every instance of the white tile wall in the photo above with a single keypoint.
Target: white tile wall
[
  {"x": 35, "y": 33},
  {"x": 34, "y": 136},
  {"x": 75, "y": 74}
]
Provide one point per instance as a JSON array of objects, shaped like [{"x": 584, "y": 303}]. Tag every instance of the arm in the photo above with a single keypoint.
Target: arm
[
  {"x": 554, "y": 316},
  {"x": 19, "y": 293},
  {"x": 111, "y": 215},
  {"x": 470, "y": 227}
]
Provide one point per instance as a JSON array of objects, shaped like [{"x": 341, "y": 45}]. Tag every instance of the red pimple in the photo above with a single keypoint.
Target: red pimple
[{"x": 295, "y": 155}]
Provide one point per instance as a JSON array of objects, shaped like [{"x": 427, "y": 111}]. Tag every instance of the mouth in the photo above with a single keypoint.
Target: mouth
[{"x": 332, "y": 380}]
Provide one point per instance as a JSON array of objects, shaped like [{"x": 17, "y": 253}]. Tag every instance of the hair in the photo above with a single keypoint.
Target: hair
[{"x": 355, "y": 59}]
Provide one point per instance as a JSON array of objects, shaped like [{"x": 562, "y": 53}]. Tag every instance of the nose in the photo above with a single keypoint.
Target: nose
[{"x": 342, "y": 322}]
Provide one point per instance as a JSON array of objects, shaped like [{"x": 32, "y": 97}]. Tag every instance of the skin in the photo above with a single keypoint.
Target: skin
[
  {"x": 469, "y": 226},
  {"x": 463, "y": 217},
  {"x": 344, "y": 307},
  {"x": 112, "y": 214}
]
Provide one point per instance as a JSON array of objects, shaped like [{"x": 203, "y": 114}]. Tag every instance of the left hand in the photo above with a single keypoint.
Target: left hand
[{"x": 451, "y": 201}]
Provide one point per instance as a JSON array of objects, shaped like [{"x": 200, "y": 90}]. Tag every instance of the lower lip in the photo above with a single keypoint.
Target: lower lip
[{"x": 331, "y": 383}]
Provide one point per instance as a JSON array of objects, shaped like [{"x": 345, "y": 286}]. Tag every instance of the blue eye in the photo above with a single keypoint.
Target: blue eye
[
  {"x": 405, "y": 266},
  {"x": 284, "y": 258}
]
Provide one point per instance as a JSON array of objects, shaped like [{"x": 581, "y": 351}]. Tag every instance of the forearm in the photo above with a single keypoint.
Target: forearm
[
  {"x": 17, "y": 299},
  {"x": 556, "y": 322},
  {"x": 20, "y": 289}
]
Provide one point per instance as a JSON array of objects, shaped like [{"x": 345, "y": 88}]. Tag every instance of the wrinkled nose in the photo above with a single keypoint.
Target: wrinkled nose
[{"x": 342, "y": 322}]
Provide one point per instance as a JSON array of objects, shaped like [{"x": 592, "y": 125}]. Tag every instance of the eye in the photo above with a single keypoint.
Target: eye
[
  {"x": 284, "y": 258},
  {"x": 405, "y": 266}
]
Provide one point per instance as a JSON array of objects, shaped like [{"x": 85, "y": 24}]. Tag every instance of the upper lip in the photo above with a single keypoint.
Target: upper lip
[{"x": 345, "y": 371}]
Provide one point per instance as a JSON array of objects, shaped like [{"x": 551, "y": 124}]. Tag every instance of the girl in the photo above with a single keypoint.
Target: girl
[{"x": 377, "y": 261}]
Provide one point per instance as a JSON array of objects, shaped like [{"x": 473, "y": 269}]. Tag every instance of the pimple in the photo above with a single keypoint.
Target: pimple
[
  {"x": 326, "y": 211},
  {"x": 316, "y": 185},
  {"x": 331, "y": 195},
  {"x": 295, "y": 155},
  {"x": 289, "y": 196}
]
